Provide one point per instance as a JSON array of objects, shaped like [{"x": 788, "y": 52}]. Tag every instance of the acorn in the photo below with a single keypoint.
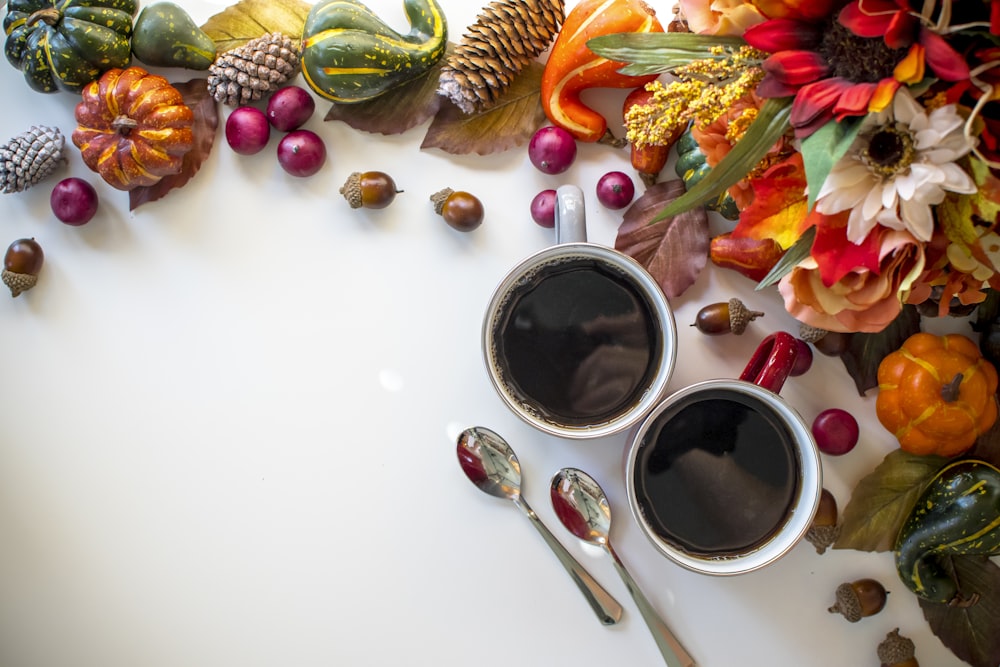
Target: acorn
[
  {"x": 859, "y": 599},
  {"x": 830, "y": 343},
  {"x": 725, "y": 317},
  {"x": 369, "y": 189},
  {"x": 897, "y": 651},
  {"x": 461, "y": 210},
  {"x": 21, "y": 265},
  {"x": 824, "y": 529}
]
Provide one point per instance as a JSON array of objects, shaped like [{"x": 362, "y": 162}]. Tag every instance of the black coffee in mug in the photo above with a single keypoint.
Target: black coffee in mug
[
  {"x": 576, "y": 342},
  {"x": 716, "y": 474}
]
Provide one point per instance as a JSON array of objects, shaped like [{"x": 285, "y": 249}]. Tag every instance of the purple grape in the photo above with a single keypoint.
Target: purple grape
[
  {"x": 543, "y": 208},
  {"x": 74, "y": 201},
  {"x": 301, "y": 153},
  {"x": 289, "y": 108},
  {"x": 615, "y": 190},
  {"x": 552, "y": 150},
  {"x": 836, "y": 431},
  {"x": 247, "y": 130}
]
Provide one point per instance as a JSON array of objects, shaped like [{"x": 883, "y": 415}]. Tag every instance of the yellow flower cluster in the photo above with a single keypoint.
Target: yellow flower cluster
[{"x": 702, "y": 91}]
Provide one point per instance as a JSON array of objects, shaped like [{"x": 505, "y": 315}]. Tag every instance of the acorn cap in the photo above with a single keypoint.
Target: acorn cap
[
  {"x": 822, "y": 537},
  {"x": 439, "y": 198},
  {"x": 352, "y": 190},
  {"x": 740, "y": 316},
  {"x": 811, "y": 334},
  {"x": 895, "y": 649},
  {"x": 848, "y": 603},
  {"x": 18, "y": 282}
]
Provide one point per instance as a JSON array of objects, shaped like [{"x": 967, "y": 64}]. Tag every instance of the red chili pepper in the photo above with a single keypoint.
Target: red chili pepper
[
  {"x": 572, "y": 67},
  {"x": 751, "y": 257}
]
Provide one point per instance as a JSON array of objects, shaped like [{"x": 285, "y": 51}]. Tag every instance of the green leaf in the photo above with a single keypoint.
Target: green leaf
[
  {"x": 662, "y": 49},
  {"x": 510, "y": 123},
  {"x": 396, "y": 110},
  {"x": 249, "y": 19},
  {"x": 882, "y": 501},
  {"x": 865, "y": 351},
  {"x": 766, "y": 129},
  {"x": 970, "y": 632},
  {"x": 795, "y": 254},
  {"x": 823, "y": 148},
  {"x": 674, "y": 250}
]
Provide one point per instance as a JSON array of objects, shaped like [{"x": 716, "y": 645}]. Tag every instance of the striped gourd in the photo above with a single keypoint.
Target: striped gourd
[{"x": 350, "y": 55}]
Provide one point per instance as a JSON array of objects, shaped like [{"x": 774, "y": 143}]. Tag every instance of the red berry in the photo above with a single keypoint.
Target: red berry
[
  {"x": 836, "y": 431},
  {"x": 247, "y": 130},
  {"x": 803, "y": 358},
  {"x": 289, "y": 108},
  {"x": 301, "y": 153},
  {"x": 543, "y": 208},
  {"x": 552, "y": 150},
  {"x": 615, "y": 190},
  {"x": 74, "y": 201}
]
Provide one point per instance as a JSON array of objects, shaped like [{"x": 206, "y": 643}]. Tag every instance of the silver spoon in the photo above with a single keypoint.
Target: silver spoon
[
  {"x": 583, "y": 508},
  {"x": 490, "y": 463}
]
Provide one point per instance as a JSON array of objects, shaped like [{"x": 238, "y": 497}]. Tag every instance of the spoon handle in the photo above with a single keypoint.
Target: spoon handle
[
  {"x": 673, "y": 653},
  {"x": 606, "y": 607}
]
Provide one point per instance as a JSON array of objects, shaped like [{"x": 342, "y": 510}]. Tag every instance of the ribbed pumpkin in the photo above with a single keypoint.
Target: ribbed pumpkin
[
  {"x": 133, "y": 128},
  {"x": 66, "y": 44},
  {"x": 936, "y": 394}
]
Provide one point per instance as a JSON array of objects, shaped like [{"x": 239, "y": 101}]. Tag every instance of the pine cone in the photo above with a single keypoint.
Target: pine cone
[
  {"x": 506, "y": 37},
  {"x": 258, "y": 68},
  {"x": 29, "y": 157}
]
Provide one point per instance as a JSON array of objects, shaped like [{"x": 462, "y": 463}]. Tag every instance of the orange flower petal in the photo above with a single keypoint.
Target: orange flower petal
[{"x": 910, "y": 70}]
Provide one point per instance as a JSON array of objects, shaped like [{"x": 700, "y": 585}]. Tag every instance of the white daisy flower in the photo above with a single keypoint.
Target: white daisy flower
[{"x": 901, "y": 164}]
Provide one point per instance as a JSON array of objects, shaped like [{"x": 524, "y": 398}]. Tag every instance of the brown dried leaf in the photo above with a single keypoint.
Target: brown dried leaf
[
  {"x": 206, "y": 124},
  {"x": 970, "y": 632},
  {"x": 673, "y": 249},
  {"x": 249, "y": 19},
  {"x": 866, "y": 351},
  {"x": 396, "y": 110},
  {"x": 509, "y": 124},
  {"x": 882, "y": 501}
]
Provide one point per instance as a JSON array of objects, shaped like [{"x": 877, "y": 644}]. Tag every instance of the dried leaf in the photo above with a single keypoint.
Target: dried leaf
[
  {"x": 674, "y": 249},
  {"x": 866, "y": 351},
  {"x": 206, "y": 124},
  {"x": 970, "y": 632},
  {"x": 249, "y": 19},
  {"x": 987, "y": 447},
  {"x": 882, "y": 501},
  {"x": 398, "y": 109},
  {"x": 509, "y": 124}
]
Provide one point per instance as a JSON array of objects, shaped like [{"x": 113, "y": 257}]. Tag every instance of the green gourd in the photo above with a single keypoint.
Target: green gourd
[
  {"x": 166, "y": 36},
  {"x": 958, "y": 514},
  {"x": 691, "y": 167},
  {"x": 66, "y": 44},
  {"x": 350, "y": 55}
]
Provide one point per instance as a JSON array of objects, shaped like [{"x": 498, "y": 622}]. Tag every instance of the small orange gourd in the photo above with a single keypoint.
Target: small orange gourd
[{"x": 936, "y": 394}]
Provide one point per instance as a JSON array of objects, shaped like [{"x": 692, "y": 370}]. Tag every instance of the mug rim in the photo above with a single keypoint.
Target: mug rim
[
  {"x": 665, "y": 323},
  {"x": 804, "y": 504}
]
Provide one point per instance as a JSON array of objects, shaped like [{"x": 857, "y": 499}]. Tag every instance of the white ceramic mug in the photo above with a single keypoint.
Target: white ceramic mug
[
  {"x": 578, "y": 339},
  {"x": 724, "y": 477}
]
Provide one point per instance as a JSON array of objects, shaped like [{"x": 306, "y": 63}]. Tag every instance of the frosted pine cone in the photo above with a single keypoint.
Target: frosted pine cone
[
  {"x": 258, "y": 68},
  {"x": 30, "y": 157},
  {"x": 506, "y": 37}
]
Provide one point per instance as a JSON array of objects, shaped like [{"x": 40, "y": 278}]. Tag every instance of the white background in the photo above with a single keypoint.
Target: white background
[{"x": 229, "y": 421}]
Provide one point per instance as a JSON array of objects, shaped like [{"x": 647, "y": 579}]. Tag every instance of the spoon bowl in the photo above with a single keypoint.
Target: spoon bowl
[
  {"x": 490, "y": 463},
  {"x": 583, "y": 509}
]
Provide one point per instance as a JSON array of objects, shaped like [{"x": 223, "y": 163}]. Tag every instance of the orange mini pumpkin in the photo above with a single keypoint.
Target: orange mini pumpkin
[
  {"x": 936, "y": 394},
  {"x": 133, "y": 128}
]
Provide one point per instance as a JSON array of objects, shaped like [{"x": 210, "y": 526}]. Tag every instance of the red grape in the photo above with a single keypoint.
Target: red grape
[
  {"x": 247, "y": 131},
  {"x": 615, "y": 190},
  {"x": 301, "y": 153},
  {"x": 289, "y": 108},
  {"x": 803, "y": 358},
  {"x": 74, "y": 201},
  {"x": 552, "y": 150},
  {"x": 836, "y": 431},
  {"x": 543, "y": 208}
]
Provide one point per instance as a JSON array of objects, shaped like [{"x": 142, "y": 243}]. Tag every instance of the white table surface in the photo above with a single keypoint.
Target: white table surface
[{"x": 229, "y": 424}]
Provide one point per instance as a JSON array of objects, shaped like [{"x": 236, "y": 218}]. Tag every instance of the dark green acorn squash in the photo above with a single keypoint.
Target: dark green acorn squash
[
  {"x": 958, "y": 514},
  {"x": 692, "y": 167},
  {"x": 350, "y": 55},
  {"x": 66, "y": 44}
]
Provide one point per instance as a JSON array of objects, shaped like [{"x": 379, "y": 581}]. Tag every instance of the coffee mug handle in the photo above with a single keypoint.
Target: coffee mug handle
[
  {"x": 571, "y": 218},
  {"x": 772, "y": 361}
]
